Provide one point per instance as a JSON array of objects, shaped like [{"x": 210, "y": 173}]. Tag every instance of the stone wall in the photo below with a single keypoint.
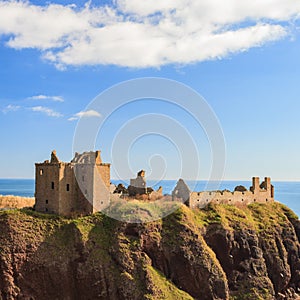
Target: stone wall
[
  {"x": 67, "y": 189},
  {"x": 104, "y": 172},
  {"x": 255, "y": 194},
  {"x": 181, "y": 191},
  {"x": 260, "y": 193},
  {"x": 47, "y": 187},
  {"x": 138, "y": 185},
  {"x": 101, "y": 188},
  {"x": 139, "y": 181}
]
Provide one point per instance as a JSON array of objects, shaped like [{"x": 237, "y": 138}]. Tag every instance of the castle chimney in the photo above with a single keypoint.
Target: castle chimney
[
  {"x": 54, "y": 158},
  {"x": 268, "y": 184},
  {"x": 98, "y": 159},
  {"x": 141, "y": 173},
  {"x": 255, "y": 184}
]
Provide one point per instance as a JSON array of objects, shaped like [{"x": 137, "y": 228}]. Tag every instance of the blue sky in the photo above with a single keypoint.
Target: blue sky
[{"x": 245, "y": 64}]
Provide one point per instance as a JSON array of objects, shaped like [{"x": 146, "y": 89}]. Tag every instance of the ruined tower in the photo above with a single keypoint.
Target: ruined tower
[
  {"x": 80, "y": 186},
  {"x": 138, "y": 185}
]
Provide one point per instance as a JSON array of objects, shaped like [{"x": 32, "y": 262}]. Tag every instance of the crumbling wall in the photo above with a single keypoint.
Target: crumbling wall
[
  {"x": 255, "y": 194},
  {"x": 139, "y": 181},
  {"x": 181, "y": 192},
  {"x": 138, "y": 185}
]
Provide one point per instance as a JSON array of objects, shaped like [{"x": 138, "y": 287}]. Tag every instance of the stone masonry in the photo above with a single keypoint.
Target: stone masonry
[
  {"x": 138, "y": 185},
  {"x": 261, "y": 193},
  {"x": 80, "y": 186}
]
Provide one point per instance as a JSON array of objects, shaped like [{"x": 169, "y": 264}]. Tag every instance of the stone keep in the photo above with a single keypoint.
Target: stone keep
[{"x": 80, "y": 186}]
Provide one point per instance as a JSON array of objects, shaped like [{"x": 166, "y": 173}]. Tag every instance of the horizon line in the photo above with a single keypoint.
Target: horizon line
[{"x": 158, "y": 180}]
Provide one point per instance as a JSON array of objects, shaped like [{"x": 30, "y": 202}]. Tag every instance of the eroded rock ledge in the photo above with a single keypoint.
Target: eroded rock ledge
[{"x": 222, "y": 252}]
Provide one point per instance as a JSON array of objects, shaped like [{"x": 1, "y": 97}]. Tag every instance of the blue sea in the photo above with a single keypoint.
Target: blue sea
[{"x": 286, "y": 192}]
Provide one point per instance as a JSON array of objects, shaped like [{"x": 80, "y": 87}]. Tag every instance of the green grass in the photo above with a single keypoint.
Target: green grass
[
  {"x": 268, "y": 216},
  {"x": 252, "y": 294},
  {"x": 135, "y": 211},
  {"x": 288, "y": 212},
  {"x": 163, "y": 288}
]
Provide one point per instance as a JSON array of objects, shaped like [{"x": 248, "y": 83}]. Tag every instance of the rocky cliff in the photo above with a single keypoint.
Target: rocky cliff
[{"x": 223, "y": 252}]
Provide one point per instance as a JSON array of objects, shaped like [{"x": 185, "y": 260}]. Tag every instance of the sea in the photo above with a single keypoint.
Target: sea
[{"x": 286, "y": 192}]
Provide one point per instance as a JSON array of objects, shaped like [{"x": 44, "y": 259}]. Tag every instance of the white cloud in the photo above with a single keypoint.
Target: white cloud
[
  {"x": 45, "y": 97},
  {"x": 10, "y": 108},
  {"x": 148, "y": 33},
  {"x": 85, "y": 114},
  {"x": 48, "y": 111}
]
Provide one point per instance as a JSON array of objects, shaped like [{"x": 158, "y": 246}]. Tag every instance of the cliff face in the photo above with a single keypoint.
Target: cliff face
[{"x": 222, "y": 252}]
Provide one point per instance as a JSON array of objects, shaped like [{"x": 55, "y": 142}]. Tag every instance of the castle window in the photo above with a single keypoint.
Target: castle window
[
  {"x": 52, "y": 185},
  {"x": 82, "y": 178},
  {"x": 68, "y": 187},
  {"x": 46, "y": 201},
  {"x": 242, "y": 199},
  {"x": 46, "y": 209},
  {"x": 254, "y": 200},
  {"x": 85, "y": 192},
  {"x": 41, "y": 172},
  {"x": 101, "y": 202},
  {"x": 266, "y": 200}
]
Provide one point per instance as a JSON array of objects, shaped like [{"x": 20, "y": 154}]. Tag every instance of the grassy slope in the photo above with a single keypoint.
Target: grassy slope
[{"x": 16, "y": 201}]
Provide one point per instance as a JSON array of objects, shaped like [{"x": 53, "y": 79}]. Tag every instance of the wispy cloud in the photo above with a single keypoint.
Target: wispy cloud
[
  {"x": 135, "y": 33},
  {"x": 46, "y": 110},
  {"x": 45, "y": 97},
  {"x": 10, "y": 108},
  {"x": 85, "y": 114}
]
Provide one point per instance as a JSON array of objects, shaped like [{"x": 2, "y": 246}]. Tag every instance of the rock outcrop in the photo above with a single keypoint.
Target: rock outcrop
[{"x": 222, "y": 252}]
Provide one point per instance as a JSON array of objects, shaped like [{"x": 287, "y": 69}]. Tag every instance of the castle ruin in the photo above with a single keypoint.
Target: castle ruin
[
  {"x": 82, "y": 186},
  {"x": 261, "y": 193},
  {"x": 79, "y": 186},
  {"x": 138, "y": 185}
]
